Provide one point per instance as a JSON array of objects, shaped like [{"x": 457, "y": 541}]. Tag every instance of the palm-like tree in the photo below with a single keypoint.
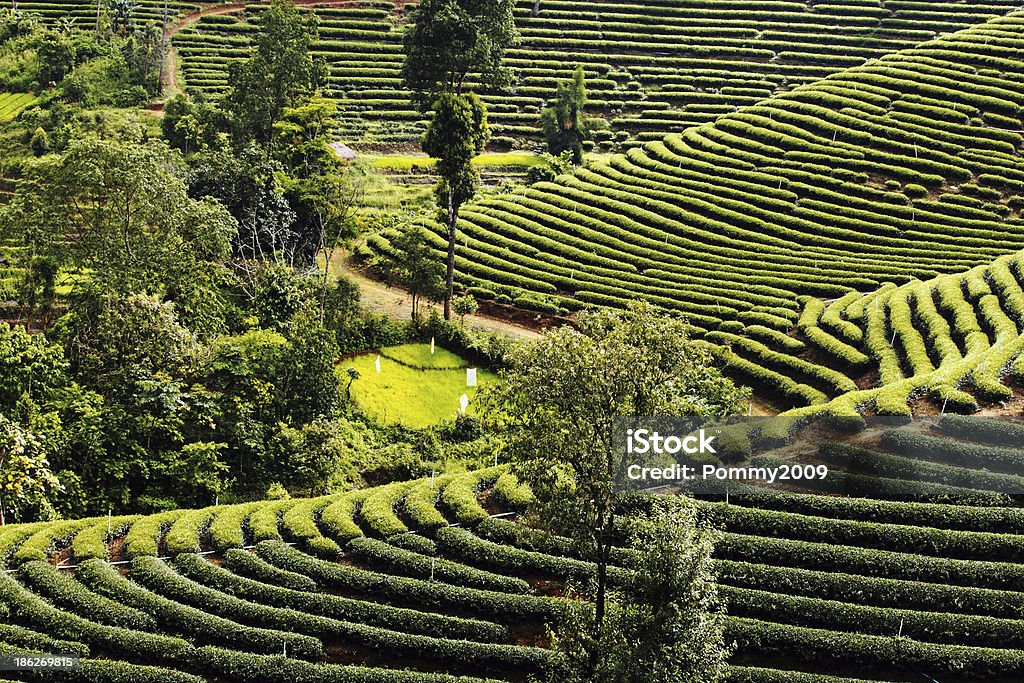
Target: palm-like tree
[{"x": 121, "y": 13}]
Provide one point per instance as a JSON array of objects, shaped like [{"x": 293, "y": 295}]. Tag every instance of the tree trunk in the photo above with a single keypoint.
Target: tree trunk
[
  {"x": 163, "y": 54},
  {"x": 536, "y": 8},
  {"x": 449, "y": 283},
  {"x": 601, "y": 595}
]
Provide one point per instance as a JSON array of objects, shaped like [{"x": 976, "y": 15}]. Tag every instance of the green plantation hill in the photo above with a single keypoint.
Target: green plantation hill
[
  {"x": 652, "y": 66},
  {"x": 426, "y": 580},
  {"x": 954, "y": 338},
  {"x": 897, "y": 171}
]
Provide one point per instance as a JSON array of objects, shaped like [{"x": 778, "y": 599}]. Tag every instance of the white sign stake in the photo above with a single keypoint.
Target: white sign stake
[
  {"x": 377, "y": 363},
  {"x": 470, "y": 377}
]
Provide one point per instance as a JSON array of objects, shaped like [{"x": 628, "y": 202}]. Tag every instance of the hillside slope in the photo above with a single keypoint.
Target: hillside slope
[
  {"x": 653, "y": 66},
  {"x": 896, "y": 171},
  {"x": 361, "y": 585}
]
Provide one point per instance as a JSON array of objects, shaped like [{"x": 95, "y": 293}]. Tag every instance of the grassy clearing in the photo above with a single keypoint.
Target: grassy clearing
[
  {"x": 401, "y": 394},
  {"x": 419, "y": 356},
  {"x": 420, "y": 161}
]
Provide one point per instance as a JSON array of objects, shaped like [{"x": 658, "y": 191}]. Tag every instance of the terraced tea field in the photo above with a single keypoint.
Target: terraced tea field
[
  {"x": 893, "y": 172},
  {"x": 13, "y": 102},
  {"x": 422, "y": 576},
  {"x": 653, "y": 66}
]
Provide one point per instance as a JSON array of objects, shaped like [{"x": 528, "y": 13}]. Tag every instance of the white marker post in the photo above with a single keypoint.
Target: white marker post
[
  {"x": 470, "y": 377},
  {"x": 463, "y": 404},
  {"x": 377, "y": 363},
  {"x": 431, "y": 346}
]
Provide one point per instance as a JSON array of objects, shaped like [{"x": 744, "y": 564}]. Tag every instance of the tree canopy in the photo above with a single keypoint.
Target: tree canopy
[
  {"x": 560, "y": 404},
  {"x": 119, "y": 213},
  {"x": 280, "y": 72},
  {"x": 450, "y": 40},
  {"x": 563, "y": 123}
]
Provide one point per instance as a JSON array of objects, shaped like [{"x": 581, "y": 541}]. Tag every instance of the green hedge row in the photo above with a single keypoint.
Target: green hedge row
[
  {"x": 258, "y": 589},
  {"x": 488, "y": 604},
  {"x": 464, "y": 545},
  {"x": 830, "y": 556},
  {"x": 155, "y": 574},
  {"x": 878, "y": 591},
  {"x": 883, "y": 464},
  {"x": 988, "y": 430},
  {"x": 189, "y": 622},
  {"x": 922, "y": 446},
  {"x": 64, "y": 591},
  {"x": 867, "y": 653},
  {"x": 834, "y": 615},
  {"x": 969, "y": 545},
  {"x": 393, "y": 560}
]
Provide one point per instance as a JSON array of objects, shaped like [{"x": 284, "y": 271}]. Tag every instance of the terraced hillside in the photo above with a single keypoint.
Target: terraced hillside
[
  {"x": 85, "y": 13},
  {"x": 895, "y": 171},
  {"x": 420, "y": 574},
  {"x": 905, "y": 167},
  {"x": 956, "y": 338},
  {"x": 653, "y": 66}
]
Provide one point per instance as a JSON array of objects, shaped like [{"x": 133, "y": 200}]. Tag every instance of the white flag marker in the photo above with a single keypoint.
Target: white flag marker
[
  {"x": 378, "y": 363},
  {"x": 470, "y": 377}
]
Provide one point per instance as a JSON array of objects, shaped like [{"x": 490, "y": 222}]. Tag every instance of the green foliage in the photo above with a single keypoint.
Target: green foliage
[
  {"x": 457, "y": 133},
  {"x": 666, "y": 625},
  {"x": 411, "y": 591},
  {"x": 192, "y": 125},
  {"x": 26, "y": 482},
  {"x": 411, "y": 264},
  {"x": 563, "y": 122},
  {"x": 280, "y": 72},
  {"x": 449, "y": 40},
  {"x": 385, "y": 557},
  {"x": 133, "y": 226},
  {"x": 463, "y": 306}
]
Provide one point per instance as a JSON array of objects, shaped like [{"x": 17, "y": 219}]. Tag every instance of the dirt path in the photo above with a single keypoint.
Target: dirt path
[{"x": 397, "y": 304}]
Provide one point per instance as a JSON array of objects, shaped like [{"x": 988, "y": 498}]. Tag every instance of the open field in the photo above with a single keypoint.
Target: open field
[{"x": 412, "y": 388}]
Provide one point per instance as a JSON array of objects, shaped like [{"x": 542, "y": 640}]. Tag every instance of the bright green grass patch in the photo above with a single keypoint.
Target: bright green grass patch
[
  {"x": 409, "y": 162},
  {"x": 419, "y": 356},
  {"x": 13, "y": 102},
  {"x": 400, "y": 394}
]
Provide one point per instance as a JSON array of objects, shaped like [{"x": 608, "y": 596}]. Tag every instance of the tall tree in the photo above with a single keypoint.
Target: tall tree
[
  {"x": 451, "y": 40},
  {"x": 120, "y": 211},
  {"x": 457, "y": 133},
  {"x": 563, "y": 122},
  {"x": 448, "y": 42},
  {"x": 561, "y": 401},
  {"x": 666, "y": 625},
  {"x": 411, "y": 265},
  {"x": 279, "y": 74}
]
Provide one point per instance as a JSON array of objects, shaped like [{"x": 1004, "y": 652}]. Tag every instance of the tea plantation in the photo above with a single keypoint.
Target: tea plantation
[
  {"x": 652, "y": 66},
  {"x": 419, "y": 581},
  {"x": 833, "y": 209}
]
